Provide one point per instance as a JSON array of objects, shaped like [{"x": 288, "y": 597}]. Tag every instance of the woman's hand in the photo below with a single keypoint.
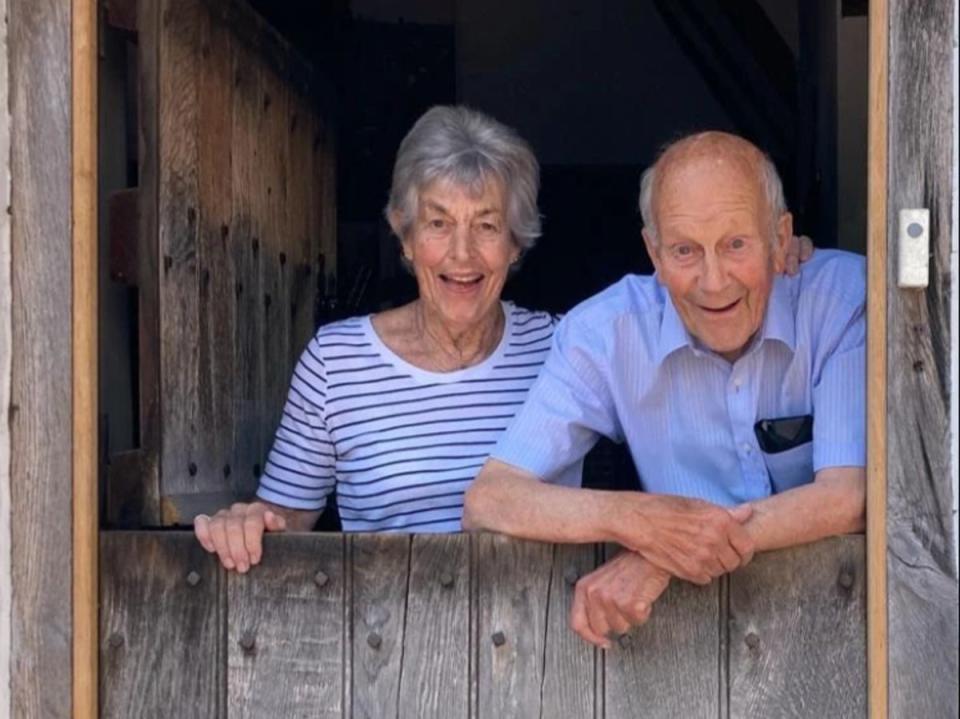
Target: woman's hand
[
  {"x": 236, "y": 534},
  {"x": 616, "y": 597},
  {"x": 799, "y": 251}
]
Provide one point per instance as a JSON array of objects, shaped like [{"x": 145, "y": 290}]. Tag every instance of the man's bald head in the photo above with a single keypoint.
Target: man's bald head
[{"x": 729, "y": 154}]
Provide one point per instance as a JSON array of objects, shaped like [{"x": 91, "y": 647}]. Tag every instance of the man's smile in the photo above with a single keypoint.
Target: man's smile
[{"x": 721, "y": 309}]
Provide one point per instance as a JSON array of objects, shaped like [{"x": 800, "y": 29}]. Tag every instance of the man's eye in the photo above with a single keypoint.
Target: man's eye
[
  {"x": 437, "y": 224},
  {"x": 488, "y": 227},
  {"x": 683, "y": 250},
  {"x": 738, "y": 243}
]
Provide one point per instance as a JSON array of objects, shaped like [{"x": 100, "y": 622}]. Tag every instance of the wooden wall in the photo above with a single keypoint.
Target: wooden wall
[
  {"x": 237, "y": 221},
  {"x": 922, "y": 580},
  {"x": 39, "y": 414},
  {"x": 466, "y": 626}
]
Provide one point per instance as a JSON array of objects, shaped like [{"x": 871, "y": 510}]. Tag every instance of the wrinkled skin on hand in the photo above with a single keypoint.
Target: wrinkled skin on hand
[
  {"x": 689, "y": 538},
  {"x": 615, "y": 598},
  {"x": 235, "y": 535}
]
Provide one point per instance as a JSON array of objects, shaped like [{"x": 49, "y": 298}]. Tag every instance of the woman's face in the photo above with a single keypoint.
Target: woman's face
[{"x": 461, "y": 250}]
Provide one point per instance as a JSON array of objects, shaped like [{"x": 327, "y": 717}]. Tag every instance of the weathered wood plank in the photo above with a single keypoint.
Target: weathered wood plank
[
  {"x": 245, "y": 248},
  {"x": 300, "y": 280},
  {"x": 380, "y": 565},
  {"x": 323, "y": 219},
  {"x": 217, "y": 300},
  {"x": 179, "y": 279},
  {"x": 148, "y": 259},
  {"x": 671, "y": 666},
  {"x": 286, "y": 630},
  {"x": 571, "y": 666},
  {"x": 922, "y": 581},
  {"x": 262, "y": 40},
  {"x": 220, "y": 280},
  {"x": 274, "y": 238},
  {"x": 161, "y": 627},
  {"x": 513, "y": 593},
  {"x": 797, "y": 632},
  {"x": 435, "y": 674},
  {"x": 40, "y": 414},
  {"x": 301, "y": 249}
]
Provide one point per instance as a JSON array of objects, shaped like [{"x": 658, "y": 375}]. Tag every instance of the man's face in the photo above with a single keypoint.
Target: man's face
[{"x": 715, "y": 254}]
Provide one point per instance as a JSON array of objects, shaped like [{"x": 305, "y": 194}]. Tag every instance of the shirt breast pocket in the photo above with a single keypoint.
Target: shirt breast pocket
[{"x": 791, "y": 468}]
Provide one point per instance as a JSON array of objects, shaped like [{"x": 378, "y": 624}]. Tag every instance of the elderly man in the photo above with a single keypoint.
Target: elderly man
[{"x": 713, "y": 371}]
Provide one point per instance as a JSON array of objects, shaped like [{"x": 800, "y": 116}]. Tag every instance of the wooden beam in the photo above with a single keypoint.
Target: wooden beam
[
  {"x": 877, "y": 364},
  {"x": 922, "y": 592},
  {"x": 40, "y": 413},
  {"x": 85, "y": 505}
]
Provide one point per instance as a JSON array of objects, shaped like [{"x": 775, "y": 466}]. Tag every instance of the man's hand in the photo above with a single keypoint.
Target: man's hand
[
  {"x": 236, "y": 534},
  {"x": 799, "y": 251},
  {"x": 616, "y": 597},
  {"x": 689, "y": 538}
]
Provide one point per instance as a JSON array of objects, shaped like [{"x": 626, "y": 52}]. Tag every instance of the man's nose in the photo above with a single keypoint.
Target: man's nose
[{"x": 714, "y": 275}]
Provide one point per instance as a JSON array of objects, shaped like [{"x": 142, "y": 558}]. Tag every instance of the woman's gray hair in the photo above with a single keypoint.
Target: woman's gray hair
[
  {"x": 769, "y": 182},
  {"x": 467, "y": 148}
]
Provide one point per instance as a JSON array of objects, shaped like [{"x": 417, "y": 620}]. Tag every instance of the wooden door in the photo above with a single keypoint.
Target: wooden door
[
  {"x": 912, "y": 149},
  {"x": 236, "y": 247}
]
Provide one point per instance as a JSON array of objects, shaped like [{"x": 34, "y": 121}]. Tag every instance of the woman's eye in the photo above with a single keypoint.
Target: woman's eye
[
  {"x": 437, "y": 224},
  {"x": 737, "y": 243}
]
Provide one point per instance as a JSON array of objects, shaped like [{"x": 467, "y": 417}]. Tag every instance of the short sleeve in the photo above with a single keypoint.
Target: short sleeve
[
  {"x": 839, "y": 386},
  {"x": 567, "y": 409},
  {"x": 300, "y": 469}
]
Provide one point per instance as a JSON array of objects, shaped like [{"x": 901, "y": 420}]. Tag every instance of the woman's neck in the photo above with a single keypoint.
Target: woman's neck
[{"x": 451, "y": 347}]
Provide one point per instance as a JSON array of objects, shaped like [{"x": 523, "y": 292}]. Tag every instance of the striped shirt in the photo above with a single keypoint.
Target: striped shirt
[
  {"x": 623, "y": 365},
  {"x": 400, "y": 444}
]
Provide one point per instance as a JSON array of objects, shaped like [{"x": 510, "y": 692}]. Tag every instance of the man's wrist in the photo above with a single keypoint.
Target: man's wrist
[{"x": 627, "y": 526}]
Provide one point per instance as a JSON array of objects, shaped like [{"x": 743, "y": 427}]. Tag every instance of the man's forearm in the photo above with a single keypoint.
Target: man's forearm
[
  {"x": 833, "y": 504},
  {"x": 506, "y": 500},
  {"x": 689, "y": 538}
]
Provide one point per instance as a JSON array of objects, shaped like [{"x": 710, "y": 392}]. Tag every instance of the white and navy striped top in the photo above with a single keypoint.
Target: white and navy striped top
[{"x": 401, "y": 444}]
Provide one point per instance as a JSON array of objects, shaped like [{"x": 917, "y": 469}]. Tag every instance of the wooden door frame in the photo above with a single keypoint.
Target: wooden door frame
[
  {"x": 876, "y": 508},
  {"x": 84, "y": 348},
  {"x": 84, "y": 57}
]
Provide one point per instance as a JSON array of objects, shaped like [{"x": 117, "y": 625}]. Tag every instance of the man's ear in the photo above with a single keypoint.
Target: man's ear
[
  {"x": 651, "y": 245},
  {"x": 781, "y": 242}
]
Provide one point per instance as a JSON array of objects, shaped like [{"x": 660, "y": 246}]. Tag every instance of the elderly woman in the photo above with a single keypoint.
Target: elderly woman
[{"x": 399, "y": 410}]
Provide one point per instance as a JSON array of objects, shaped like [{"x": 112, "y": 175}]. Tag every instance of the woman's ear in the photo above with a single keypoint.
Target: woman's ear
[{"x": 395, "y": 220}]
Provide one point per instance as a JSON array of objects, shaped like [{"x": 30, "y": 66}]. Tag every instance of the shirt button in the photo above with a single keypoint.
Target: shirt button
[{"x": 747, "y": 449}]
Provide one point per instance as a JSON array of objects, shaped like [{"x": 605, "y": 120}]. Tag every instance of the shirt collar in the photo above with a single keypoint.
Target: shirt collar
[
  {"x": 778, "y": 324},
  {"x": 673, "y": 333}
]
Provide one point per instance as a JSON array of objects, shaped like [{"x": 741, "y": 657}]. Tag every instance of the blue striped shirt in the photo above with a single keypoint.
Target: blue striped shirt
[
  {"x": 399, "y": 443},
  {"x": 623, "y": 366}
]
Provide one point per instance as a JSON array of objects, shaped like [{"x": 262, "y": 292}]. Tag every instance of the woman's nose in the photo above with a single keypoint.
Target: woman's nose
[{"x": 461, "y": 243}]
